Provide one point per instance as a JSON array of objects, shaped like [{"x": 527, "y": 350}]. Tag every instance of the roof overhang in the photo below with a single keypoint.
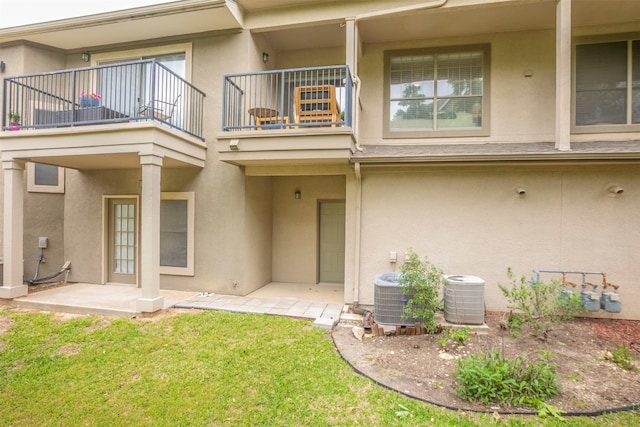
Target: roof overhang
[
  {"x": 497, "y": 153},
  {"x": 124, "y": 26}
]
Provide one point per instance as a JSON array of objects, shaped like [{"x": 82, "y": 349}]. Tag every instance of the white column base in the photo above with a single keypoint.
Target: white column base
[
  {"x": 149, "y": 305},
  {"x": 10, "y": 292}
]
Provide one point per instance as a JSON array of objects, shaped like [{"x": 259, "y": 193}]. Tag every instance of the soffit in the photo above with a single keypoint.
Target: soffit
[
  {"x": 254, "y": 5},
  {"x": 124, "y": 26},
  {"x": 415, "y": 25},
  {"x": 307, "y": 27}
]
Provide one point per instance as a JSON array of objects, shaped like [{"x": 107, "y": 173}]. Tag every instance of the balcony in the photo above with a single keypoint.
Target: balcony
[
  {"x": 285, "y": 117},
  {"x": 103, "y": 116}
]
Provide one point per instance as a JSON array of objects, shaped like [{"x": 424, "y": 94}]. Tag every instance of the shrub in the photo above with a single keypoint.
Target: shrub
[
  {"x": 421, "y": 281},
  {"x": 491, "y": 379},
  {"x": 623, "y": 358},
  {"x": 514, "y": 323},
  {"x": 460, "y": 336},
  {"x": 539, "y": 304}
]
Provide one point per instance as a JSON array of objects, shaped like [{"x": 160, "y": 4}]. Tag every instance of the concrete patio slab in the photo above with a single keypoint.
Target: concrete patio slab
[
  {"x": 85, "y": 298},
  {"x": 293, "y": 300}
]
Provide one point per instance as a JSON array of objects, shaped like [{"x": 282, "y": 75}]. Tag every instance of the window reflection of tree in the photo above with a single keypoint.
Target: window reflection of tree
[{"x": 416, "y": 108}]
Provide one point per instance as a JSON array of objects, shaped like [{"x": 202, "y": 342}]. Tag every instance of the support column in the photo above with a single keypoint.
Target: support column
[
  {"x": 150, "y": 300},
  {"x": 563, "y": 75},
  {"x": 13, "y": 274},
  {"x": 351, "y": 45}
]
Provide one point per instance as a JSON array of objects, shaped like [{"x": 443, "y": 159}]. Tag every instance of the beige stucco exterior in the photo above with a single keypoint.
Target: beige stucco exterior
[
  {"x": 452, "y": 199},
  {"x": 471, "y": 220}
]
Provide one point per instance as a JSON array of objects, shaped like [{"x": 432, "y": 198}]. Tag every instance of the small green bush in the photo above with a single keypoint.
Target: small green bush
[
  {"x": 514, "y": 323},
  {"x": 623, "y": 358},
  {"x": 491, "y": 379},
  {"x": 421, "y": 281},
  {"x": 460, "y": 336},
  {"x": 539, "y": 304},
  {"x": 443, "y": 342}
]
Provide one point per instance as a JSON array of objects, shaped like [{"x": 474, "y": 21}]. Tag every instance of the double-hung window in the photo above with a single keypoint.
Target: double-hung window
[
  {"x": 607, "y": 86},
  {"x": 437, "y": 92}
]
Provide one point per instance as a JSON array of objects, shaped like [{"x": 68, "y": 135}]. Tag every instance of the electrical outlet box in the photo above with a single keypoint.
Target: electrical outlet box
[{"x": 43, "y": 242}]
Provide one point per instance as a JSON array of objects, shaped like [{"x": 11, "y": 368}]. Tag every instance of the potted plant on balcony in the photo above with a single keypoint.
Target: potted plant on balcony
[
  {"x": 14, "y": 120},
  {"x": 88, "y": 100}
]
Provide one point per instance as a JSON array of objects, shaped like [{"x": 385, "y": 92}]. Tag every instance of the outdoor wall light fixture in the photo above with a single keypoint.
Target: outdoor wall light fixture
[
  {"x": 265, "y": 57},
  {"x": 297, "y": 195},
  {"x": 614, "y": 190},
  {"x": 85, "y": 56}
]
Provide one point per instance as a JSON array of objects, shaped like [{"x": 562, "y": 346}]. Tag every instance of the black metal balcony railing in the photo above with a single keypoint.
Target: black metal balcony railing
[
  {"x": 287, "y": 99},
  {"x": 131, "y": 91}
]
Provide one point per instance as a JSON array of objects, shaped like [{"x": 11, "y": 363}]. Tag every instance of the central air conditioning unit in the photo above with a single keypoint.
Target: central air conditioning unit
[{"x": 390, "y": 301}]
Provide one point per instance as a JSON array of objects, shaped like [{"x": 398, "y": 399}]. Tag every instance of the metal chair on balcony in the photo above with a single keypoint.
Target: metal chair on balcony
[{"x": 161, "y": 110}]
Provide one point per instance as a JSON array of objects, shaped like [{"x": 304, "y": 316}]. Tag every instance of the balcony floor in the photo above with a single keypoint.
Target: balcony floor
[
  {"x": 287, "y": 147},
  {"x": 106, "y": 146}
]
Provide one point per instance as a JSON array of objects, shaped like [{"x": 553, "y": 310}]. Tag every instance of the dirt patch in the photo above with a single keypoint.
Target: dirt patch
[
  {"x": 46, "y": 286},
  {"x": 5, "y": 324},
  {"x": 169, "y": 312},
  {"x": 420, "y": 367}
]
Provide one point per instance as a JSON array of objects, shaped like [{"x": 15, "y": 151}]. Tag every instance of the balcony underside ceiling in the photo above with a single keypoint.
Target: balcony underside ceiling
[
  {"x": 455, "y": 19},
  {"x": 103, "y": 147}
]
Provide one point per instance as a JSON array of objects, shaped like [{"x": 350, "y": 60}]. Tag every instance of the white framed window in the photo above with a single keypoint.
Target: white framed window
[
  {"x": 607, "y": 85},
  {"x": 437, "y": 92},
  {"x": 177, "y": 226},
  {"x": 43, "y": 178}
]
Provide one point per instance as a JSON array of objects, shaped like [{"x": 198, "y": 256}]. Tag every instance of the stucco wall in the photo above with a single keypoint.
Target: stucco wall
[
  {"x": 43, "y": 213},
  {"x": 83, "y": 217},
  {"x": 522, "y": 108},
  {"x": 311, "y": 58},
  {"x": 295, "y": 224},
  {"x": 43, "y": 217},
  {"x": 258, "y": 238},
  {"x": 471, "y": 221}
]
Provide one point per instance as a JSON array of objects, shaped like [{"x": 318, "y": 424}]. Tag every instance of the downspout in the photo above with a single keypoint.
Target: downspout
[
  {"x": 356, "y": 115},
  {"x": 356, "y": 270},
  {"x": 366, "y": 320},
  {"x": 356, "y": 79},
  {"x": 396, "y": 10},
  {"x": 356, "y": 274}
]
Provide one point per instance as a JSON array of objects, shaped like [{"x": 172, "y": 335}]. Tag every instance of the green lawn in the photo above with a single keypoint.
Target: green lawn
[{"x": 205, "y": 368}]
